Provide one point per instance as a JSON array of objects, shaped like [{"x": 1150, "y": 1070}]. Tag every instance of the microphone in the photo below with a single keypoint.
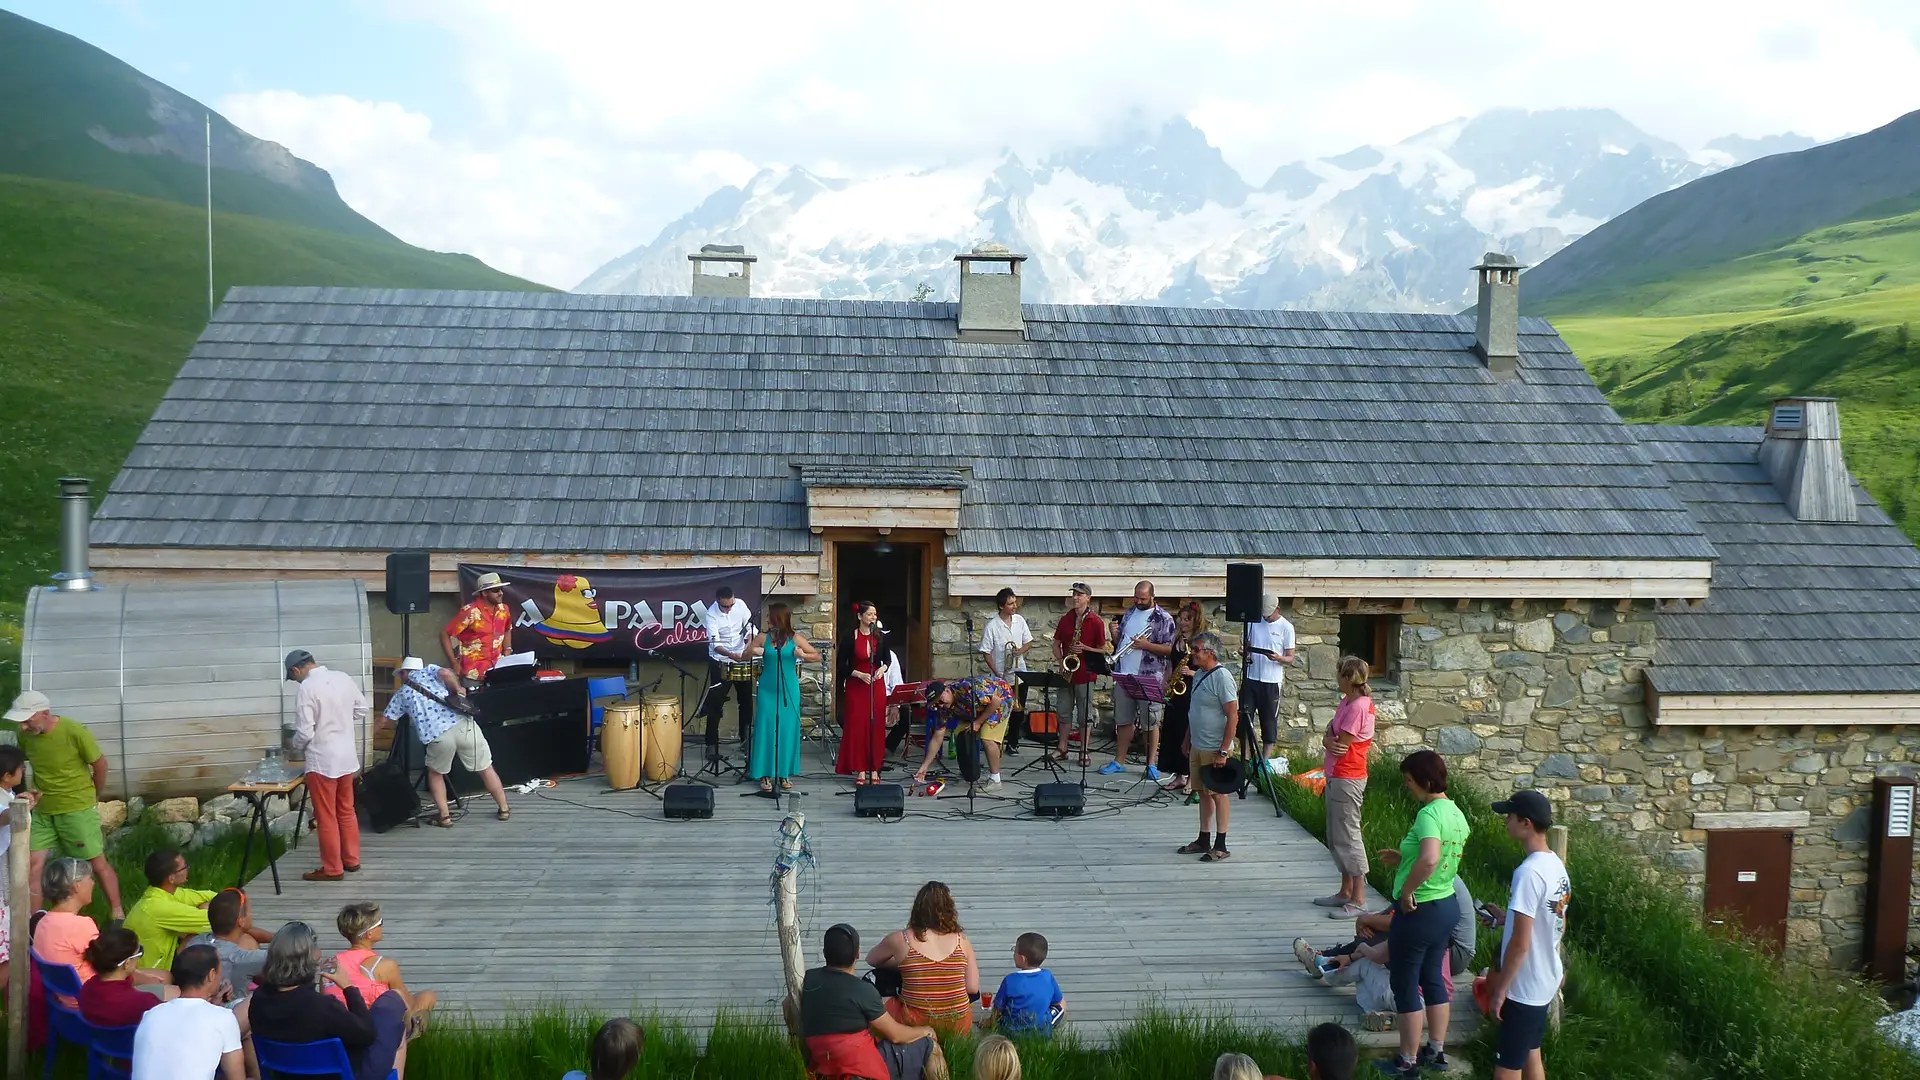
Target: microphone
[{"x": 969, "y": 617}]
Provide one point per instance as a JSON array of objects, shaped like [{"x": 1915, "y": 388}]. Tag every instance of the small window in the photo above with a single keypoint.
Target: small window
[
  {"x": 1788, "y": 417},
  {"x": 1373, "y": 638}
]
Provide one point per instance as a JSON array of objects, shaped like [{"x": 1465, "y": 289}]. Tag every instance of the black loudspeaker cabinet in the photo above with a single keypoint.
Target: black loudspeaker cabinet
[
  {"x": 385, "y": 797},
  {"x": 409, "y": 582},
  {"x": 687, "y": 801},
  {"x": 1244, "y": 586},
  {"x": 885, "y": 801},
  {"x": 1059, "y": 800}
]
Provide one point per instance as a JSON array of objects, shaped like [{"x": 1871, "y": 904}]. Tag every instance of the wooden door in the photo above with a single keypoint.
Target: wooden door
[{"x": 1749, "y": 874}]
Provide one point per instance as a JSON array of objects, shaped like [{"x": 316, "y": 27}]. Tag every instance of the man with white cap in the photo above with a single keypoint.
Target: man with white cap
[
  {"x": 327, "y": 713},
  {"x": 424, "y": 692},
  {"x": 68, "y": 770},
  {"x": 1269, "y": 650},
  {"x": 477, "y": 635}
]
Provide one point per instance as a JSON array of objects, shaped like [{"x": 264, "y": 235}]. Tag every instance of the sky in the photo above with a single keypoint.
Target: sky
[{"x": 548, "y": 138}]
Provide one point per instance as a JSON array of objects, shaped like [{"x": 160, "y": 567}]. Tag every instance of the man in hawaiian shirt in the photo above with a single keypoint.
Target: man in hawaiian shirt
[
  {"x": 1145, "y": 632},
  {"x": 477, "y": 636},
  {"x": 982, "y": 700}
]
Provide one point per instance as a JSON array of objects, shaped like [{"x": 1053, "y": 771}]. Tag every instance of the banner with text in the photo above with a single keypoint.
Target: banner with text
[{"x": 596, "y": 614}]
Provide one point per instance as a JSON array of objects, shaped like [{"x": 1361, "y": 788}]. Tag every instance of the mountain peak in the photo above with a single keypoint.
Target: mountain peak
[{"x": 1171, "y": 170}]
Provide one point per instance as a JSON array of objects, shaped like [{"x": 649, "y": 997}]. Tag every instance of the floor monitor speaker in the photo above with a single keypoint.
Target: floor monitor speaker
[
  {"x": 409, "y": 582},
  {"x": 1244, "y": 587},
  {"x": 885, "y": 801},
  {"x": 1059, "y": 800},
  {"x": 688, "y": 801}
]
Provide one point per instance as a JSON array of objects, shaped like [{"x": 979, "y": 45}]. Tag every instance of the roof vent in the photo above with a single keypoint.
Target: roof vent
[
  {"x": 1497, "y": 313},
  {"x": 1801, "y": 455},
  {"x": 990, "y": 294},
  {"x": 722, "y": 270}
]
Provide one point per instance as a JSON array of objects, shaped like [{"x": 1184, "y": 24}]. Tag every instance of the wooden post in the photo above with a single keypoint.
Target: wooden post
[
  {"x": 787, "y": 899},
  {"x": 1557, "y": 841},
  {"x": 20, "y": 910}
]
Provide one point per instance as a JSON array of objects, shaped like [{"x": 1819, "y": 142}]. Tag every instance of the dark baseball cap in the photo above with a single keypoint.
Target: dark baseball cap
[
  {"x": 1530, "y": 805},
  {"x": 296, "y": 658}
]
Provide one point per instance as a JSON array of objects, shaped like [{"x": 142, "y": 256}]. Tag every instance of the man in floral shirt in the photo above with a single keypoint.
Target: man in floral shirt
[
  {"x": 476, "y": 638},
  {"x": 1145, "y": 633},
  {"x": 982, "y": 700}
]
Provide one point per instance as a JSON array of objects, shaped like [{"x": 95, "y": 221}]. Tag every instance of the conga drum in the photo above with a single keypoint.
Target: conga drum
[
  {"x": 661, "y": 746},
  {"x": 620, "y": 745}
]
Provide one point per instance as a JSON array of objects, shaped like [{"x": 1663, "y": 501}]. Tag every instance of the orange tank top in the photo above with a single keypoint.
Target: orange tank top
[
  {"x": 937, "y": 988},
  {"x": 356, "y": 964}
]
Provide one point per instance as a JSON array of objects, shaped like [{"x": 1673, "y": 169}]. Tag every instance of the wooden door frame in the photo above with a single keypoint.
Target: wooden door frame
[{"x": 933, "y": 545}]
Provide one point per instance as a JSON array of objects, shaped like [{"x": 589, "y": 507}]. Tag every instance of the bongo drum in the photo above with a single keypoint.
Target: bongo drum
[
  {"x": 621, "y": 737},
  {"x": 660, "y": 751},
  {"x": 746, "y": 671}
]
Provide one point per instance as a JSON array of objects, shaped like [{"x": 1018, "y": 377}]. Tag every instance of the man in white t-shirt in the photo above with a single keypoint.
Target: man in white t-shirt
[
  {"x": 1269, "y": 651},
  {"x": 729, "y": 626},
  {"x": 1007, "y": 633},
  {"x": 191, "y": 1037},
  {"x": 1522, "y": 988}
]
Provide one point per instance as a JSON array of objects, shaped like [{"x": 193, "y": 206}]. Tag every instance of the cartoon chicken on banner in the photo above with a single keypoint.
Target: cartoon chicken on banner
[{"x": 576, "y": 621}]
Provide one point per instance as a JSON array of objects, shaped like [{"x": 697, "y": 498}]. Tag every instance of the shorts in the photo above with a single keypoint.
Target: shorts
[
  {"x": 1130, "y": 713},
  {"x": 465, "y": 739},
  {"x": 76, "y": 835},
  {"x": 1521, "y": 1029},
  {"x": 1264, "y": 698},
  {"x": 1198, "y": 760},
  {"x": 1344, "y": 842},
  {"x": 1079, "y": 709},
  {"x": 994, "y": 731}
]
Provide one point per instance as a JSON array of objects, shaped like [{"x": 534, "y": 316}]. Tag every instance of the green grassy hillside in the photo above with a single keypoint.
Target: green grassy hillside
[
  {"x": 101, "y": 297},
  {"x": 1829, "y": 313}
]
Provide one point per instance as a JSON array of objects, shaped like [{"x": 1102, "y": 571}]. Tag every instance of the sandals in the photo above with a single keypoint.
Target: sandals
[
  {"x": 502, "y": 815},
  {"x": 445, "y": 821},
  {"x": 1217, "y": 855},
  {"x": 786, "y": 785},
  {"x": 1194, "y": 847},
  {"x": 766, "y": 787}
]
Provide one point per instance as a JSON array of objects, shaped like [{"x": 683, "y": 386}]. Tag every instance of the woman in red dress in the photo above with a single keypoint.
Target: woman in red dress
[{"x": 863, "y": 698}]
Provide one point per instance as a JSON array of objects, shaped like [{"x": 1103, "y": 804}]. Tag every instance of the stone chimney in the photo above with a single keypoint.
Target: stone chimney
[
  {"x": 1497, "y": 332},
  {"x": 1802, "y": 457},
  {"x": 990, "y": 294},
  {"x": 722, "y": 270}
]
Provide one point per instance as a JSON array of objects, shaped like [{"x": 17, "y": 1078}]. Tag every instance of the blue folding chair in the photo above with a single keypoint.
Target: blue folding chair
[
  {"x": 110, "y": 1052},
  {"x": 63, "y": 1021},
  {"x": 324, "y": 1058},
  {"x": 597, "y": 689}
]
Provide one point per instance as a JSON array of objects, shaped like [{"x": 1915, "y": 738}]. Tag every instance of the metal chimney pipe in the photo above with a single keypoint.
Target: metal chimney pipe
[{"x": 76, "y": 514}]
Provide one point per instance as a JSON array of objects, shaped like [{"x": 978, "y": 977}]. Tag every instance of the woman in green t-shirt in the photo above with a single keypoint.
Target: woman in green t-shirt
[{"x": 1425, "y": 913}]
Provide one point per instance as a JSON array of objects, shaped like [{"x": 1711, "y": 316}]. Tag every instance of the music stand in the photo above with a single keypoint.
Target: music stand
[{"x": 1046, "y": 681}]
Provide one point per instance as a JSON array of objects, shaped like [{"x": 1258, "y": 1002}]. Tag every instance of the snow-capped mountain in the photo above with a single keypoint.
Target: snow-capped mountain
[{"x": 1161, "y": 217}]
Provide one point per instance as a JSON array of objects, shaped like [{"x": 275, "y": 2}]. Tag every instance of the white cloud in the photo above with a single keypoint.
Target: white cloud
[{"x": 594, "y": 122}]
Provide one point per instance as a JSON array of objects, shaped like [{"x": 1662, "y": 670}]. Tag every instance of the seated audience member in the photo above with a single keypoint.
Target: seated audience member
[
  {"x": 168, "y": 912},
  {"x": 616, "y": 1051},
  {"x": 288, "y": 1007},
  {"x": 388, "y": 1000},
  {"x": 1235, "y": 1067},
  {"x": 110, "y": 999},
  {"x": 939, "y": 977},
  {"x": 1331, "y": 1053},
  {"x": 241, "y": 945},
  {"x": 63, "y": 934},
  {"x": 847, "y": 1031},
  {"x": 1028, "y": 996},
  {"x": 194, "y": 1035},
  {"x": 996, "y": 1059}
]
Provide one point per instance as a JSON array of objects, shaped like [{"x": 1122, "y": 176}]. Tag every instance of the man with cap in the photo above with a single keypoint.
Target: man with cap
[
  {"x": 1269, "y": 650},
  {"x": 68, "y": 770},
  {"x": 424, "y": 691},
  {"x": 1522, "y": 986},
  {"x": 327, "y": 713},
  {"x": 477, "y": 635},
  {"x": 1213, "y": 714},
  {"x": 1083, "y": 634}
]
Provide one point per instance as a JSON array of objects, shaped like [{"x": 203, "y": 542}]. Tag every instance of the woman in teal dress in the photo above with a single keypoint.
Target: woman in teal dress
[{"x": 776, "y": 707}]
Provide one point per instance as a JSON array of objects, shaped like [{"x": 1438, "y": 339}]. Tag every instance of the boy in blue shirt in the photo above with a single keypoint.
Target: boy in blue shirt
[{"x": 1028, "y": 1001}]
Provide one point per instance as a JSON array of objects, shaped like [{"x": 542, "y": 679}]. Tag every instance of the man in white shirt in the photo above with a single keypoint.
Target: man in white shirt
[
  {"x": 328, "y": 714},
  {"x": 1007, "y": 635},
  {"x": 1522, "y": 988},
  {"x": 1269, "y": 651},
  {"x": 729, "y": 629},
  {"x": 190, "y": 1037}
]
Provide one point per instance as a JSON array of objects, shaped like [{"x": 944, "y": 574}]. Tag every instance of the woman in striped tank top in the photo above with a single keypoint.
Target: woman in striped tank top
[{"x": 939, "y": 980}]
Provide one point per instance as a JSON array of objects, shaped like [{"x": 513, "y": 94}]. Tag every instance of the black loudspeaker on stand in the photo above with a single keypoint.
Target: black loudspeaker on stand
[
  {"x": 409, "y": 590},
  {"x": 1244, "y": 586}
]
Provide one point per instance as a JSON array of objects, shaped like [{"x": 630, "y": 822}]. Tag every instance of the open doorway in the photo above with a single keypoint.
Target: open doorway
[{"x": 893, "y": 576}]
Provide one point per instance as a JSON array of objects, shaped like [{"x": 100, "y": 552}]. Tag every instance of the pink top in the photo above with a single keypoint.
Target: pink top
[
  {"x": 1352, "y": 717},
  {"x": 331, "y": 711},
  {"x": 354, "y": 964},
  {"x": 62, "y": 938}
]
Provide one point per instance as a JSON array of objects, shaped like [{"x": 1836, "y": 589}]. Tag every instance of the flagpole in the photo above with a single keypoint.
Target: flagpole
[{"x": 209, "y": 216}]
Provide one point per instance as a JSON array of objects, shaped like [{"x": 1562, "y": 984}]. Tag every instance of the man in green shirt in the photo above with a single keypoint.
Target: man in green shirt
[
  {"x": 169, "y": 912},
  {"x": 68, "y": 770}
]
